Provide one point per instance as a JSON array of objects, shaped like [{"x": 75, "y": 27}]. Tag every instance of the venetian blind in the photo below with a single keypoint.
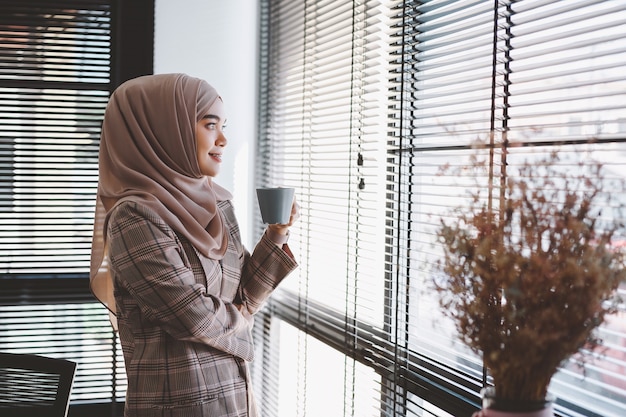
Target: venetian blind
[
  {"x": 55, "y": 76},
  {"x": 361, "y": 103},
  {"x": 566, "y": 91},
  {"x": 328, "y": 70}
]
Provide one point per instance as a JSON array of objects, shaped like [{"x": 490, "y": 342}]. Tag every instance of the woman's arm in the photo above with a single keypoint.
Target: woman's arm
[{"x": 268, "y": 265}]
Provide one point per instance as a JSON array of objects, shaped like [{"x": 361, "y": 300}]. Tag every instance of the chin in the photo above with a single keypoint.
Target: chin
[{"x": 210, "y": 172}]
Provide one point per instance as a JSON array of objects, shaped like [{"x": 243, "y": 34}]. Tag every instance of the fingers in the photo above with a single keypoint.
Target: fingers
[{"x": 295, "y": 212}]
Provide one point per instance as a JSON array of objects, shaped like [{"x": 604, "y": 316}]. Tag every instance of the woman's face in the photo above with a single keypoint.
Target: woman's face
[{"x": 210, "y": 139}]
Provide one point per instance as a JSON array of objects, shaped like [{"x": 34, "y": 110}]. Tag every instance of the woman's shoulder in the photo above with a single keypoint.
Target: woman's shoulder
[
  {"x": 132, "y": 212},
  {"x": 133, "y": 208}
]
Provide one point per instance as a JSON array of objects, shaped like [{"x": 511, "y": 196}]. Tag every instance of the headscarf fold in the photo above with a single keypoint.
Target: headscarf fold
[{"x": 148, "y": 155}]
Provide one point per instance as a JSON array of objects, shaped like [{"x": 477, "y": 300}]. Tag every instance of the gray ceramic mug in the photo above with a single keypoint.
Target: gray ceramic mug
[{"x": 275, "y": 204}]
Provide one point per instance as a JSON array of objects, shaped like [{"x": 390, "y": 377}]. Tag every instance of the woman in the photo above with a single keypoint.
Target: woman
[{"x": 167, "y": 257}]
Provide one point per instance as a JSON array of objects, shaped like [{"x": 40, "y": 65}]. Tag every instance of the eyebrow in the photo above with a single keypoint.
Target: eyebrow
[{"x": 212, "y": 116}]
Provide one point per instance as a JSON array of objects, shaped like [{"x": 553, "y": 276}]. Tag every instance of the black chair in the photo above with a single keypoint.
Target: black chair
[{"x": 34, "y": 385}]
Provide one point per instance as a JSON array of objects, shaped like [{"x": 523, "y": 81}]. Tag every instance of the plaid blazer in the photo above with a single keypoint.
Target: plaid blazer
[{"x": 185, "y": 343}]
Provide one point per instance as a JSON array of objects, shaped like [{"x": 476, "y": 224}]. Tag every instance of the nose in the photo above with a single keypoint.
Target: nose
[{"x": 221, "y": 140}]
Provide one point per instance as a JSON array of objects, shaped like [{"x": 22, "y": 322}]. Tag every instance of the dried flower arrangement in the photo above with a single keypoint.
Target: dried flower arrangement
[{"x": 528, "y": 282}]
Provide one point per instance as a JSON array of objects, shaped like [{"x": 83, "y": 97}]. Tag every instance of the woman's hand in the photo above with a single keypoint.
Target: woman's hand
[{"x": 283, "y": 229}]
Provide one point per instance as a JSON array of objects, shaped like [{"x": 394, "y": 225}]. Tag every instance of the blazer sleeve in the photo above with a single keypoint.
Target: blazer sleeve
[
  {"x": 148, "y": 263},
  {"x": 268, "y": 265}
]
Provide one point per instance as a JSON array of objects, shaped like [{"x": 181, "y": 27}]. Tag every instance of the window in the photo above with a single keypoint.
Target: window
[
  {"x": 55, "y": 81},
  {"x": 360, "y": 104},
  {"x": 58, "y": 66}
]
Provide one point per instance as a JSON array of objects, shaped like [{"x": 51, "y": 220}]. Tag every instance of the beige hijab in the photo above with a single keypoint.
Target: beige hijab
[{"x": 148, "y": 155}]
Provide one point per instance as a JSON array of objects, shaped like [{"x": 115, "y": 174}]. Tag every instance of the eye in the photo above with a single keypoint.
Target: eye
[{"x": 211, "y": 125}]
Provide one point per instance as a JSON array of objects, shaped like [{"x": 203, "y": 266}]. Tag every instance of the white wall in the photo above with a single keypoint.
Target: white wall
[{"x": 217, "y": 40}]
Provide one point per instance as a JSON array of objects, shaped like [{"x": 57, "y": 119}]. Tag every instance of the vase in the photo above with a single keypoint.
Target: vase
[{"x": 498, "y": 407}]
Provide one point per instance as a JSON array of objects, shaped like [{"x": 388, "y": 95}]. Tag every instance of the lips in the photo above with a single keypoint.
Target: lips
[{"x": 216, "y": 156}]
